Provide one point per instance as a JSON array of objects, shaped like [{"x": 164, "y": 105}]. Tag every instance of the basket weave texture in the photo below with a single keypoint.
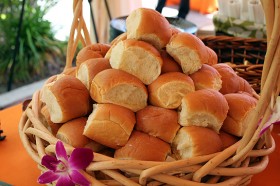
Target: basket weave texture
[
  {"x": 233, "y": 166},
  {"x": 246, "y": 55}
]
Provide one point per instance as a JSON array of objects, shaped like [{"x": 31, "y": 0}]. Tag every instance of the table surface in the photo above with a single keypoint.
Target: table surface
[{"x": 17, "y": 167}]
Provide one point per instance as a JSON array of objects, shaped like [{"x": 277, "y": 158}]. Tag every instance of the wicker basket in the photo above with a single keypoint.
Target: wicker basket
[
  {"x": 246, "y": 55},
  {"x": 233, "y": 166}
]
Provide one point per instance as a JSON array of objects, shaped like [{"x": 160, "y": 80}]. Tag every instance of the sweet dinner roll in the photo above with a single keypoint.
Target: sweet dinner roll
[
  {"x": 240, "y": 106},
  {"x": 137, "y": 58},
  {"x": 121, "y": 37},
  {"x": 231, "y": 82},
  {"x": 158, "y": 122},
  {"x": 206, "y": 108},
  {"x": 88, "y": 69},
  {"x": 71, "y": 132},
  {"x": 97, "y": 50},
  {"x": 46, "y": 120},
  {"x": 66, "y": 98},
  {"x": 169, "y": 88},
  {"x": 227, "y": 139},
  {"x": 169, "y": 64},
  {"x": 110, "y": 125},
  {"x": 188, "y": 50},
  {"x": 207, "y": 77},
  {"x": 148, "y": 25},
  {"x": 212, "y": 57},
  {"x": 174, "y": 30},
  {"x": 141, "y": 146},
  {"x": 195, "y": 141},
  {"x": 244, "y": 86},
  {"x": 120, "y": 88}
]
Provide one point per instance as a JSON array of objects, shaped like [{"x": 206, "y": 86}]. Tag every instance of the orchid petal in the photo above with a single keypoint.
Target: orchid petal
[
  {"x": 78, "y": 178},
  {"x": 267, "y": 126},
  {"x": 49, "y": 162},
  {"x": 48, "y": 177},
  {"x": 60, "y": 151},
  {"x": 80, "y": 158},
  {"x": 65, "y": 180}
]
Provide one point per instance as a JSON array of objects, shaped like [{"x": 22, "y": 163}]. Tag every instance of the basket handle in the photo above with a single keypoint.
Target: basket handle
[
  {"x": 270, "y": 81},
  {"x": 78, "y": 32}
]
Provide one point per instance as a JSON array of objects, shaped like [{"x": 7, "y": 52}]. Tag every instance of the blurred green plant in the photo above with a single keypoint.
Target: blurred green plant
[{"x": 39, "y": 52}]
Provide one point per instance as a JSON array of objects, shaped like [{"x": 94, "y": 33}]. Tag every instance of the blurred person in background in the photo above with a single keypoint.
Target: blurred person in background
[{"x": 183, "y": 11}]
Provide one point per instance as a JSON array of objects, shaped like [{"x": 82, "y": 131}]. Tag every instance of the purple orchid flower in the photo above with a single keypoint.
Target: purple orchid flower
[
  {"x": 273, "y": 119},
  {"x": 267, "y": 126},
  {"x": 64, "y": 169}
]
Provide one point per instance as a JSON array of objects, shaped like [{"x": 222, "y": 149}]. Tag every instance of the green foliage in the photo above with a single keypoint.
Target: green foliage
[{"x": 38, "y": 47}]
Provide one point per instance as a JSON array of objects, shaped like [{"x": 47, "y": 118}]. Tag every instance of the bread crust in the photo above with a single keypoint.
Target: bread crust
[
  {"x": 66, "y": 98},
  {"x": 138, "y": 58},
  {"x": 231, "y": 82},
  {"x": 141, "y": 146},
  {"x": 188, "y": 51},
  {"x": 46, "y": 120},
  {"x": 206, "y": 108},
  {"x": 207, "y": 77},
  {"x": 191, "y": 141},
  {"x": 240, "y": 106},
  {"x": 119, "y": 87},
  {"x": 158, "y": 122},
  {"x": 169, "y": 88},
  {"x": 169, "y": 64},
  {"x": 110, "y": 125},
  {"x": 71, "y": 132},
  {"x": 88, "y": 70},
  {"x": 212, "y": 56},
  {"x": 227, "y": 139},
  {"x": 96, "y": 50},
  {"x": 150, "y": 26}
]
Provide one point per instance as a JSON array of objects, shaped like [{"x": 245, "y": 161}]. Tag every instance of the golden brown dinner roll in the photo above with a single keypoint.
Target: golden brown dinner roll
[
  {"x": 66, "y": 98},
  {"x": 231, "y": 82},
  {"x": 137, "y": 58},
  {"x": 192, "y": 141},
  {"x": 188, "y": 50},
  {"x": 46, "y": 119},
  {"x": 94, "y": 146},
  {"x": 227, "y": 139},
  {"x": 96, "y": 50},
  {"x": 240, "y": 106},
  {"x": 121, "y": 37},
  {"x": 88, "y": 69},
  {"x": 212, "y": 57},
  {"x": 205, "y": 108},
  {"x": 158, "y": 122},
  {"x": 141, "y": 146},
  {"x": 110, "y": 125},
  {"x": 169, "y": 88},
  {"x": 169, "y": 64},
  {"x": 119, "y": 87},
  {"x": 148, "y": 25},
  {"x": 174, "y": 30},
  {"x": 207, "y": 77},
  {"x": 71, "y": 132},
  {"x": 244, "y": 86},
  {"x": 229, "y": 78}
]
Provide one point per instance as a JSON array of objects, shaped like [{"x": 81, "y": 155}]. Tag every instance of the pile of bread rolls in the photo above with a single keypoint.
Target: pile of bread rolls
[{"x": 153, "y": 93}]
